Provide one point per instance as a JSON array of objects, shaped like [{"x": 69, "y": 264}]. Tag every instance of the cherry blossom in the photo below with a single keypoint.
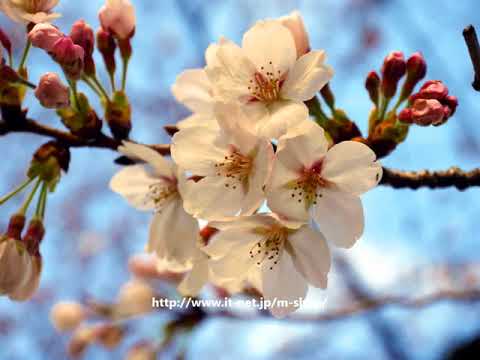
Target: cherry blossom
[
  {"x": 266, "y": 77},
  {"x": 288, "y": 256},
  {"x": 118, "y": 17},
  {"x": 309, "y": 180},
  {"x": 231, "y": 165},
  {"x": 156, "y": 186}
]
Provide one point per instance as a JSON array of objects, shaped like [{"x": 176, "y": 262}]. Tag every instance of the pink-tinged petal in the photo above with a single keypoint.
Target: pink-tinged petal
[
  {"x": 270, "y": 46},
  {"x": 283, "y": 283},
  {"x": 161, "y": 166},
  {"x": 193, "y": 89},
  {"x": 307, "y": 77},
  {"x": 294, "y": 23},
  {"x": 339, "y": 216},
  {"x": 173, "y": 234},
  {"x": 311, "y": 255},
  {"x": 351, "y": 166}
]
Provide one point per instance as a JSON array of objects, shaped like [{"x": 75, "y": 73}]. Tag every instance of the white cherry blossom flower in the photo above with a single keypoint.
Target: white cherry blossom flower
[
  {"x": 15, "y": 266},
  {"x": 232, "y": 165},
  {"x": 266, "y": 77},
  {"x": 294, "y": 23},
  {"x": 156, "y": 186},
  {"x": 311, "y": 181},
  {"x": 29, "y": 11},
  {"x": 288, "y": 257}
]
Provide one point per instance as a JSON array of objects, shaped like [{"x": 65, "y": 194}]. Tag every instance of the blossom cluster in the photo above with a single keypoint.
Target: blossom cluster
[{"x": 272, "y": 192}]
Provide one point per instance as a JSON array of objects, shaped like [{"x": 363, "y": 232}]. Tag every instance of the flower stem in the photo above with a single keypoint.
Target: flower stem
[
  {"x": 28, "y": 45},
  {"x": 10, "y": 59},
  {"x": 100, "y": 86},
  {"x": 16, "y": 191},
  {"x": 112, "y": 81},
  {"x": 126, "y": 61},
  {"x": 73, "y": 86},
  {"x": 29, "y": 199},
  {"x": 92, "y": 86},
  {"x": 42, "y": 201}
]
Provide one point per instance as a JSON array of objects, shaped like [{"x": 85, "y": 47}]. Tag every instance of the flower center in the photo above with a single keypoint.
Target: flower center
[
  {"x": 265, "y": 85},
  {"x": 235, "y": 167},
  {"x": 308, "y": 187},
  {"x": 270, "y": 247},
  {"x": 161, "y": 193}
]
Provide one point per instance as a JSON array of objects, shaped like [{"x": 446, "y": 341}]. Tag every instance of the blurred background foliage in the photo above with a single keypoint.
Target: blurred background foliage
[{"x": 415, "y": 243}]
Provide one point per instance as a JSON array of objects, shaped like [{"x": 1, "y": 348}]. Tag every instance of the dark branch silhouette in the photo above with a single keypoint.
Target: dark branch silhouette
[{"x": 471, "y": 40}]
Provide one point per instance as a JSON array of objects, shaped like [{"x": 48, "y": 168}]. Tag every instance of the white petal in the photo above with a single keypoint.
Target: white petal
[
  {"x": 339, "y": 216},
  {"x": 270, "y": 45},
  {"x": 227, "y": 241},
  {"x": 193, "y": 89},
  {"x": 211, "y": 199},
  {"x": 196, "y": 120},
  {"x": 173, "y": 234},
  {"x": 307, "y": 77},
  {"x": 232, "y": 73},
  {"x": 310, "y": 255},
  {"x": 236, "y": 265},
  {"x": 281, "y": 117},
  {"x": 351, "y": 166},
  {"x": 161, "y": 165},
  {"x": 283, "y": 283},
  {"x": 194, "y": 150},
  {"x": 133, "y": 183},
  {"x": 195, "y": 279}
]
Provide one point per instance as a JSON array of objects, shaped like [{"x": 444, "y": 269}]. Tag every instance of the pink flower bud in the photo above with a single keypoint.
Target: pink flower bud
[
  {"x": 66, "y": 316},
  {"x": 427, "y": 112},
  {"x": 118, "y": 17},
  {"x": 5, "y": 41},
  {"x": 52, "y": 93},
  {"x": 294, "y": 23},
  {"x": 416, "y": 71},
  {"x": 405, "y": 116},
  {"x": 394, "y": 67},
  {"x": 452, "y": 103},
  {"x": 82, "y": 34},
  {"x": 107, "y": 46},
  {"x": 372, "y": 84},
  {"x": 432, "y": 89},
  {"x": 69, "y": 56},
  {"x": 44, "y": 36}
]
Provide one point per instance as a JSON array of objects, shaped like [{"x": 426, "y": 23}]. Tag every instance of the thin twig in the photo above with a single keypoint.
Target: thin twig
[{"x": 471, "y": 40}]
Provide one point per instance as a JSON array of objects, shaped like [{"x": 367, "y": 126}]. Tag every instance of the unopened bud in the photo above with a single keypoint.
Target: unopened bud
[
  {"x": 452, "y": 103},
  {"x": 432, "y": 89},
  {"x": 44, "y": 36},
  {"x": 5, "y": 41},
  {"x": 394, "y": 67},
  {"x": 427, "y": 112},
  {"x": 34, "y": 236},
  {"x": 118, "y": 115},
  {"x": 118, "y": 17},
  {"x": 134, "y": 298},
  {"x": 372, "y": 84},
  {"x": 82, "y": 35},
  {"x": 67, "y": 316},
  {"x": 206, "y": 234},
  {"x": 107, "y": 47},
  {"x": 69, "y": 56},
  {"x": 109, "y": 335},
  {"x": 52, "y": 93},
  {"x": 81, "y": 339},
  {"x": 416, "y": 71}
]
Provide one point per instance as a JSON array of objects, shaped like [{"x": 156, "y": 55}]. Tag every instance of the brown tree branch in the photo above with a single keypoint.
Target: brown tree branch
[
  {"x": 453, "y": 177},
  {"x": 101, "y": 141},
  {"x": 471, "y": 40}
]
